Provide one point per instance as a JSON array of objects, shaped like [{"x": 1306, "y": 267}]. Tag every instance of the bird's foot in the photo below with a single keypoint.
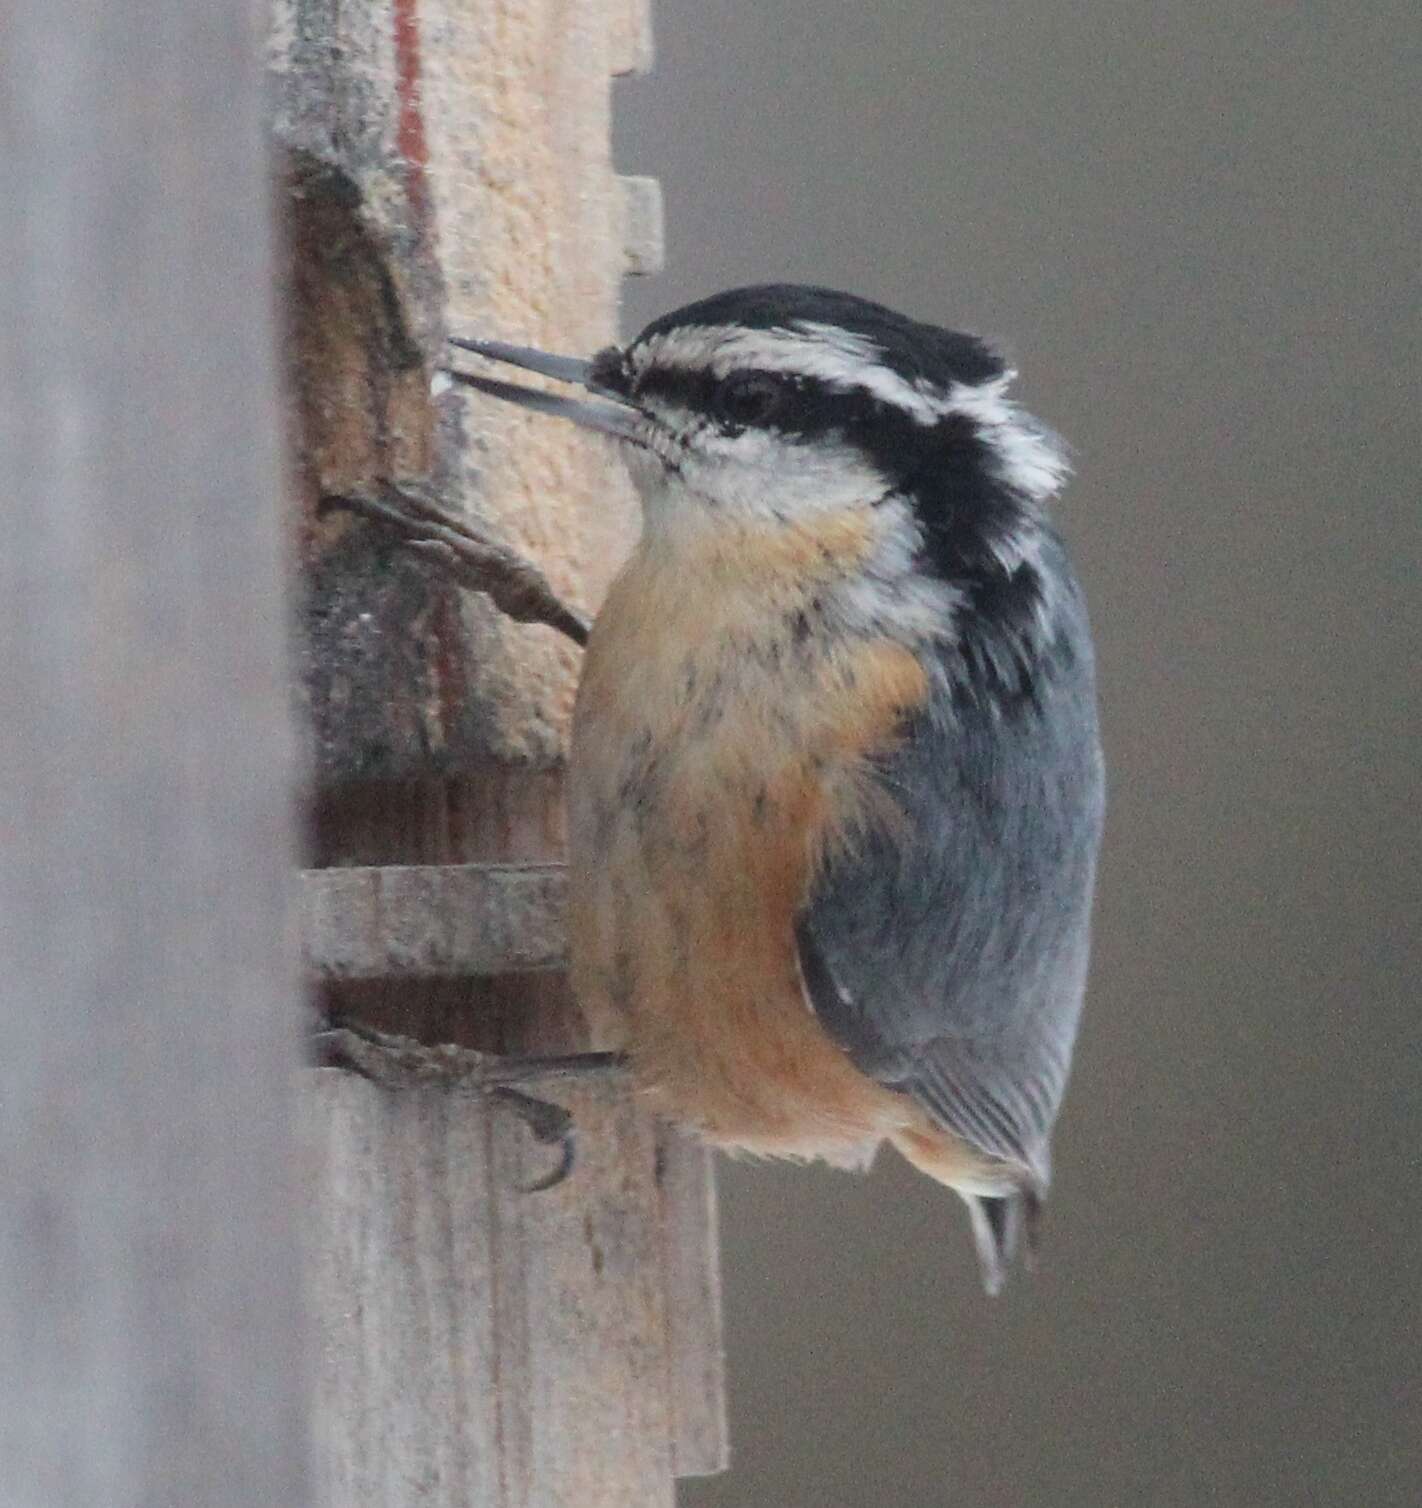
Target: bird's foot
[
  {"x": 472, "y": 560},
  {"x": 401, "y": 1063}
]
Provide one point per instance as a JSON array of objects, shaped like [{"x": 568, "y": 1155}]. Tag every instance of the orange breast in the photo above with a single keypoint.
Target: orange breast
[{"x": 717, "y": 756}]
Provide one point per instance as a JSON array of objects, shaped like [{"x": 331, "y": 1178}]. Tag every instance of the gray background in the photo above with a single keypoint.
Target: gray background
[{"x": 1191, "y": 225}]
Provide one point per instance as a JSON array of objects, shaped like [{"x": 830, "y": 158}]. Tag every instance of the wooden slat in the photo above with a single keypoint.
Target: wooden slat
[
  {"x": 400, "y": 1270},
  {"x": 579, "y": 1309},
  {"x": 481, "y": 1345},
  {"x": 152, "y": 1349},
  {"x": 691, "y": 1257},
  {"x": 432, "y": 921}
]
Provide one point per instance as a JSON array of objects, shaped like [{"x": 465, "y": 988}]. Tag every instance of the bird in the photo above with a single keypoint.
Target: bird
[{"x": 835, "y": 785}]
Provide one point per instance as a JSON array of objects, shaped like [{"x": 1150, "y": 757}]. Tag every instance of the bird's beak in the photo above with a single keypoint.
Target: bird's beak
[{"x": 618, "y": 417}]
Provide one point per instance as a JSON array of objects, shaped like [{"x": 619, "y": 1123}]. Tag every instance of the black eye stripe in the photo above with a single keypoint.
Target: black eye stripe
[
  {"x": 694, "y": 390},
  {"x": 811, "y": 406},
  {"x": 754, "y": 400}
]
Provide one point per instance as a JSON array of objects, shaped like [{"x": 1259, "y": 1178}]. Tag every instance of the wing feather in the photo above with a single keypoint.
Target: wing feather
[{"x": 947, "y": 952}]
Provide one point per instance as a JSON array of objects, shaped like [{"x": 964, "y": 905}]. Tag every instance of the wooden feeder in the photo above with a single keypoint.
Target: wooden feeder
[{"x": 446, "y": 166}]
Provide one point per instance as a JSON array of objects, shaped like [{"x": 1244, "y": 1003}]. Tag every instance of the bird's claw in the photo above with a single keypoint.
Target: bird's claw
[
  {"x": 395, "y": 1063},
  {"x": 550, "y": 1125}
]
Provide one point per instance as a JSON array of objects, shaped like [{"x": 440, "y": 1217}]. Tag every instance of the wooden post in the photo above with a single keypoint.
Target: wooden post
[
  {"x": 447, "y": 167},
  {"x": 151, "y": 1344}
]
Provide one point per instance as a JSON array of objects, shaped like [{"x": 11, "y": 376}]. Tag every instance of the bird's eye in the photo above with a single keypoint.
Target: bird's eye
[{"x": 749, "y": 398}]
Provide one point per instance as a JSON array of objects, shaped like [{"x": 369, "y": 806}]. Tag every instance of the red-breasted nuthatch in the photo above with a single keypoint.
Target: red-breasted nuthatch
[{"x": 835, "y": 788}]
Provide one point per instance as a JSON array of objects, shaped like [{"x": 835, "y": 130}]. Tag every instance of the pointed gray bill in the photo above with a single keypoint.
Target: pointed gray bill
[{"x": 608, "y": 418}]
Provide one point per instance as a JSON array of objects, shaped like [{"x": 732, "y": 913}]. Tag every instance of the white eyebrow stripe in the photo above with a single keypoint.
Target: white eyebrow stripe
[
  {"x": 837, "y": 357},
  {"x": 1028, "y": 457}
]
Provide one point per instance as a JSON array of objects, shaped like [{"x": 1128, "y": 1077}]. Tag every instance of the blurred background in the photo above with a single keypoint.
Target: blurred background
[{"x": 1194, "y": 226}]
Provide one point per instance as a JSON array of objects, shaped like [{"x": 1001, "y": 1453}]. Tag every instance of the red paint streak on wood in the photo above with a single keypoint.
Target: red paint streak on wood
[{"x": 410, "y": 132}]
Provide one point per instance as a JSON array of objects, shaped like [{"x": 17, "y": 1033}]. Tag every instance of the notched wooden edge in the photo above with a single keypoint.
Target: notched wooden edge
[
  {"x": 643, "y": 225},
  {"x": 631, "y": 47}
]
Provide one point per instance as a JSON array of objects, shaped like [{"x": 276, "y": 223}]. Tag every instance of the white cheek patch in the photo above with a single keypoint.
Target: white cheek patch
[{"x": 761, "y": 472}]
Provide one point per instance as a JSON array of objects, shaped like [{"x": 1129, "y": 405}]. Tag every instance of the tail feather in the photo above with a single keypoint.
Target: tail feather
[{"x": 1000, "y": 1222}]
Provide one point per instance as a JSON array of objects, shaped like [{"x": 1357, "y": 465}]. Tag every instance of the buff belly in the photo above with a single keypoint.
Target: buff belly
[{"x": 704, "y": 786}]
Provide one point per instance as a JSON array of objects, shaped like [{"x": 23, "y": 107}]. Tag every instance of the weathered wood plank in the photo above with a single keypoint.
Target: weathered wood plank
[
  {"x": 400, "y": 1269},
  {"x": 692, "y": 1263},
  {"x": 579, "y": 1311},
  {"x": 152, "y": 1349},
  {"x": 481, "y": 1345},
  {"x": 449, "y": 167},
  {"x": 433, "y": 921}
]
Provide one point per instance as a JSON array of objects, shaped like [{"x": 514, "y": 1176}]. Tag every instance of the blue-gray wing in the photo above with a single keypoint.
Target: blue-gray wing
[{"x": 946, "y": 950}]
